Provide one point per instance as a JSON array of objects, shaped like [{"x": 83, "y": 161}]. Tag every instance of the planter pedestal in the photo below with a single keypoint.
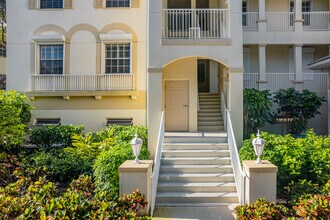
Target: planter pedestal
[{"x": 260, "y": 181}]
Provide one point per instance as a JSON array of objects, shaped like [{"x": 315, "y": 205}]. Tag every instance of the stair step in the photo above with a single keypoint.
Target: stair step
[
  {"x": 197, "y": 197},
  {"x": 209, "y": 114},
  {"x": 209, "y": 123},
  {"x": 196, "y": 160},
  {"x": 196, "y": 187},
  {"x": 196, "y": 153},
  {"x": 212, "y": 110},
  {"x": 196, "y": 139},
  {"x": 209, "y": 118},
  {"x": 210, "y": 128},
  {"x": 196, "y": 169},
  {"x": 207, "y": 94},
  {"x": 195, "y": 204},
  {"x": 196, "y": 177},
  {"x": 195, "y": 146},
  {"x": 204, "y": 107}
]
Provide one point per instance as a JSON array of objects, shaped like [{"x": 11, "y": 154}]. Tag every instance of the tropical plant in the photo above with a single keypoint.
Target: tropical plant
[
  {"x": 14, "y": 117},
  {"x": 261, "y": 209},
  {"x": 313, "y": 207},
  {"x": 298, "y": 105},
  {"x": 257, "y": 110}
]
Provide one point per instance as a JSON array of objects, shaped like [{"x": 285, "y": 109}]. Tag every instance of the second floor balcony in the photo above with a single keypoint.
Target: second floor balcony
[
  {"x": 82, "y": 82},
  {"x": 195, "y": 24},
  {"x": 285, "y": 21}
]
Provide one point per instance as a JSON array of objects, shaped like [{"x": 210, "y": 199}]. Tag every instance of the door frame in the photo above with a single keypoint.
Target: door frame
[{"x": 188, "y": 97}]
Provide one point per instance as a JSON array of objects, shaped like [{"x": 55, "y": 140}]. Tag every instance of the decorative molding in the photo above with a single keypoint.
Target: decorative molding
[
  {"x": 48, "y": 38},
  {"x": 236, "y": 70},
  {"x": 155, "y": 70},
  {"x": 116, "y": 37}
]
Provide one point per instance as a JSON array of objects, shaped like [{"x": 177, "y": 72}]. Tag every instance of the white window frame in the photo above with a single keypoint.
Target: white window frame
[
  {"x": 111, "y": 39},
  {"x": 39, "y": 6},
  {"x": 105, "y": 4},
  {"x": 47, "y": 40}
]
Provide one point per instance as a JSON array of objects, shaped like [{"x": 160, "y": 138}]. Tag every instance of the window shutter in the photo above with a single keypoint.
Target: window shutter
[
  {"x": 135, "y": 3},
  {"x": 99, "y": 3},
  {"x": 33, "y": 4},
  {"x": 68, "y": 4}
]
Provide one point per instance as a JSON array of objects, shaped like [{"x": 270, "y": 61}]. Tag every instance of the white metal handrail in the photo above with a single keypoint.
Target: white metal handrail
[
  {"x": 316, "y": 21},
  {"x": 195, "y": 23},
  {"x": 280, "y": 21},
  {"x": 235, "y": 161},
  {"x": 234, "y": 156},
  {"x": 250, "y": 21},
  {"x": 81, "y": 82},
  {"x": 157, "y": 163}
]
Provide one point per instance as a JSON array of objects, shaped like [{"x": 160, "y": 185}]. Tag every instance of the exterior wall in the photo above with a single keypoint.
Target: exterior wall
[
  {"x": 283, "y": 5},
  {"x": 81, "y": 27},
  {"x": 3, "y": 65},
  {"x": 184, "y": 69}
]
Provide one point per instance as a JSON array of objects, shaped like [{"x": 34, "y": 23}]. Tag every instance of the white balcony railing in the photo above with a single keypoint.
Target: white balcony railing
[
  {"x": 280, "y": 21},
  {"x": 81, "y": 82},
  {"x": 250, "y": 21},
  {"x": 316, "y": 21},
  {"x": 316, "y": 82},
  {"x": 195, "y": 23}
]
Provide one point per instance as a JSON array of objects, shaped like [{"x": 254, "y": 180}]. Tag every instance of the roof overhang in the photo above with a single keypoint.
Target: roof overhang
[{"x": 320, "y": 64}]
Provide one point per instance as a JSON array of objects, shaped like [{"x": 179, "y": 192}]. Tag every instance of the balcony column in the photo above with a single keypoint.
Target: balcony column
[
  {"x": 262, "y": 67},
  {"x": 297, "y": 52},
  {"x": 262, "y": 22},
  {"x": 155, "y": 80},
  {"x": 298, "y": 15},
  {"x": 193, "y": 4}
]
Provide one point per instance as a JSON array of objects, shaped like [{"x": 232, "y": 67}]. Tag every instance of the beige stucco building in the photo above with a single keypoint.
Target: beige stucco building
[{"x": 95, "y": 62}]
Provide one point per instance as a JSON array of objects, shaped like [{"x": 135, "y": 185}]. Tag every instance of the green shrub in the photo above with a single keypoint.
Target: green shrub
[
  {"x": 296, "y": 158},
  {"x": 14, "y": 117},
  {"x": 313, "y": 207},
  {"x": 47, "y": 136},
  {"x": 107, "y": 163},
  {"x": 261, "y": 209},
  {"x": 62, "y": 166},
  {"x": 257, "y": 110}
]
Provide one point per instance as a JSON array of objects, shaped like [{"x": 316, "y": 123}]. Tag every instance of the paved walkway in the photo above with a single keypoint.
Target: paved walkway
[{"x": 195, "y": 213}]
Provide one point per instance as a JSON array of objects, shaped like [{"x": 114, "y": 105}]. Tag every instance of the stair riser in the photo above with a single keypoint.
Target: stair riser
[
  {"x": 210, "y": 128},
  {"x": 195, "y": 140},
  {"x": 197, "y": 179},
  {"x": 210, "y": 123},
  {"x": 197, "y": 199},
  {"x": 196, "y": 154},
  {"x": 217, "y": 111},
  {"x": 195, "y": 162},
  {"x": 210, "y": 118},
  {"x": 209, "y": 114},
  {"x": 193, "y": 189},
  {"x": 195, "y": 147},
  {"x": 202, "y": 107},
  {"x": 196, "y": 170}
]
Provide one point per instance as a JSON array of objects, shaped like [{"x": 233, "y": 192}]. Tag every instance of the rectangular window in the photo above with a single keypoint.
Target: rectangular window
[
  {"x": 47, "y": 121},
  {"x": 2, "y": 51},
  {"x": 244, "y": 11},
  {"x": 118, "y": 58},
  {"x": 51, "y": 59},
  {"x": 119, "y": 121},
  {"x": 51, "y": 3},
  {"x": 306, "y": 7},
  {"x": 118, "y": 3}
]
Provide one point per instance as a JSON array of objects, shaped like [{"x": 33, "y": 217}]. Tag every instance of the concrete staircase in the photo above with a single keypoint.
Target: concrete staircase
[
  {"x": 196, "y": 171},
  {"x": 209, "y": 114}
]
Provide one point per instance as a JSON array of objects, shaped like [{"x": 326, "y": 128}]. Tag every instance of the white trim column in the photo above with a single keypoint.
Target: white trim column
[
  {"x": 262, "y": 22},
  {"x": 297, "y": 53},
  {"x": 154, "y": 107},
  {"x": 298, "y": 15},
  {"x": 235, "y": 102},
  {"x": 262, "y": 67}
]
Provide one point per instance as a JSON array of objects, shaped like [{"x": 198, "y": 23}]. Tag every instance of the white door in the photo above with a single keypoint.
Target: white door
[{"x": 176, "y": 106}]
